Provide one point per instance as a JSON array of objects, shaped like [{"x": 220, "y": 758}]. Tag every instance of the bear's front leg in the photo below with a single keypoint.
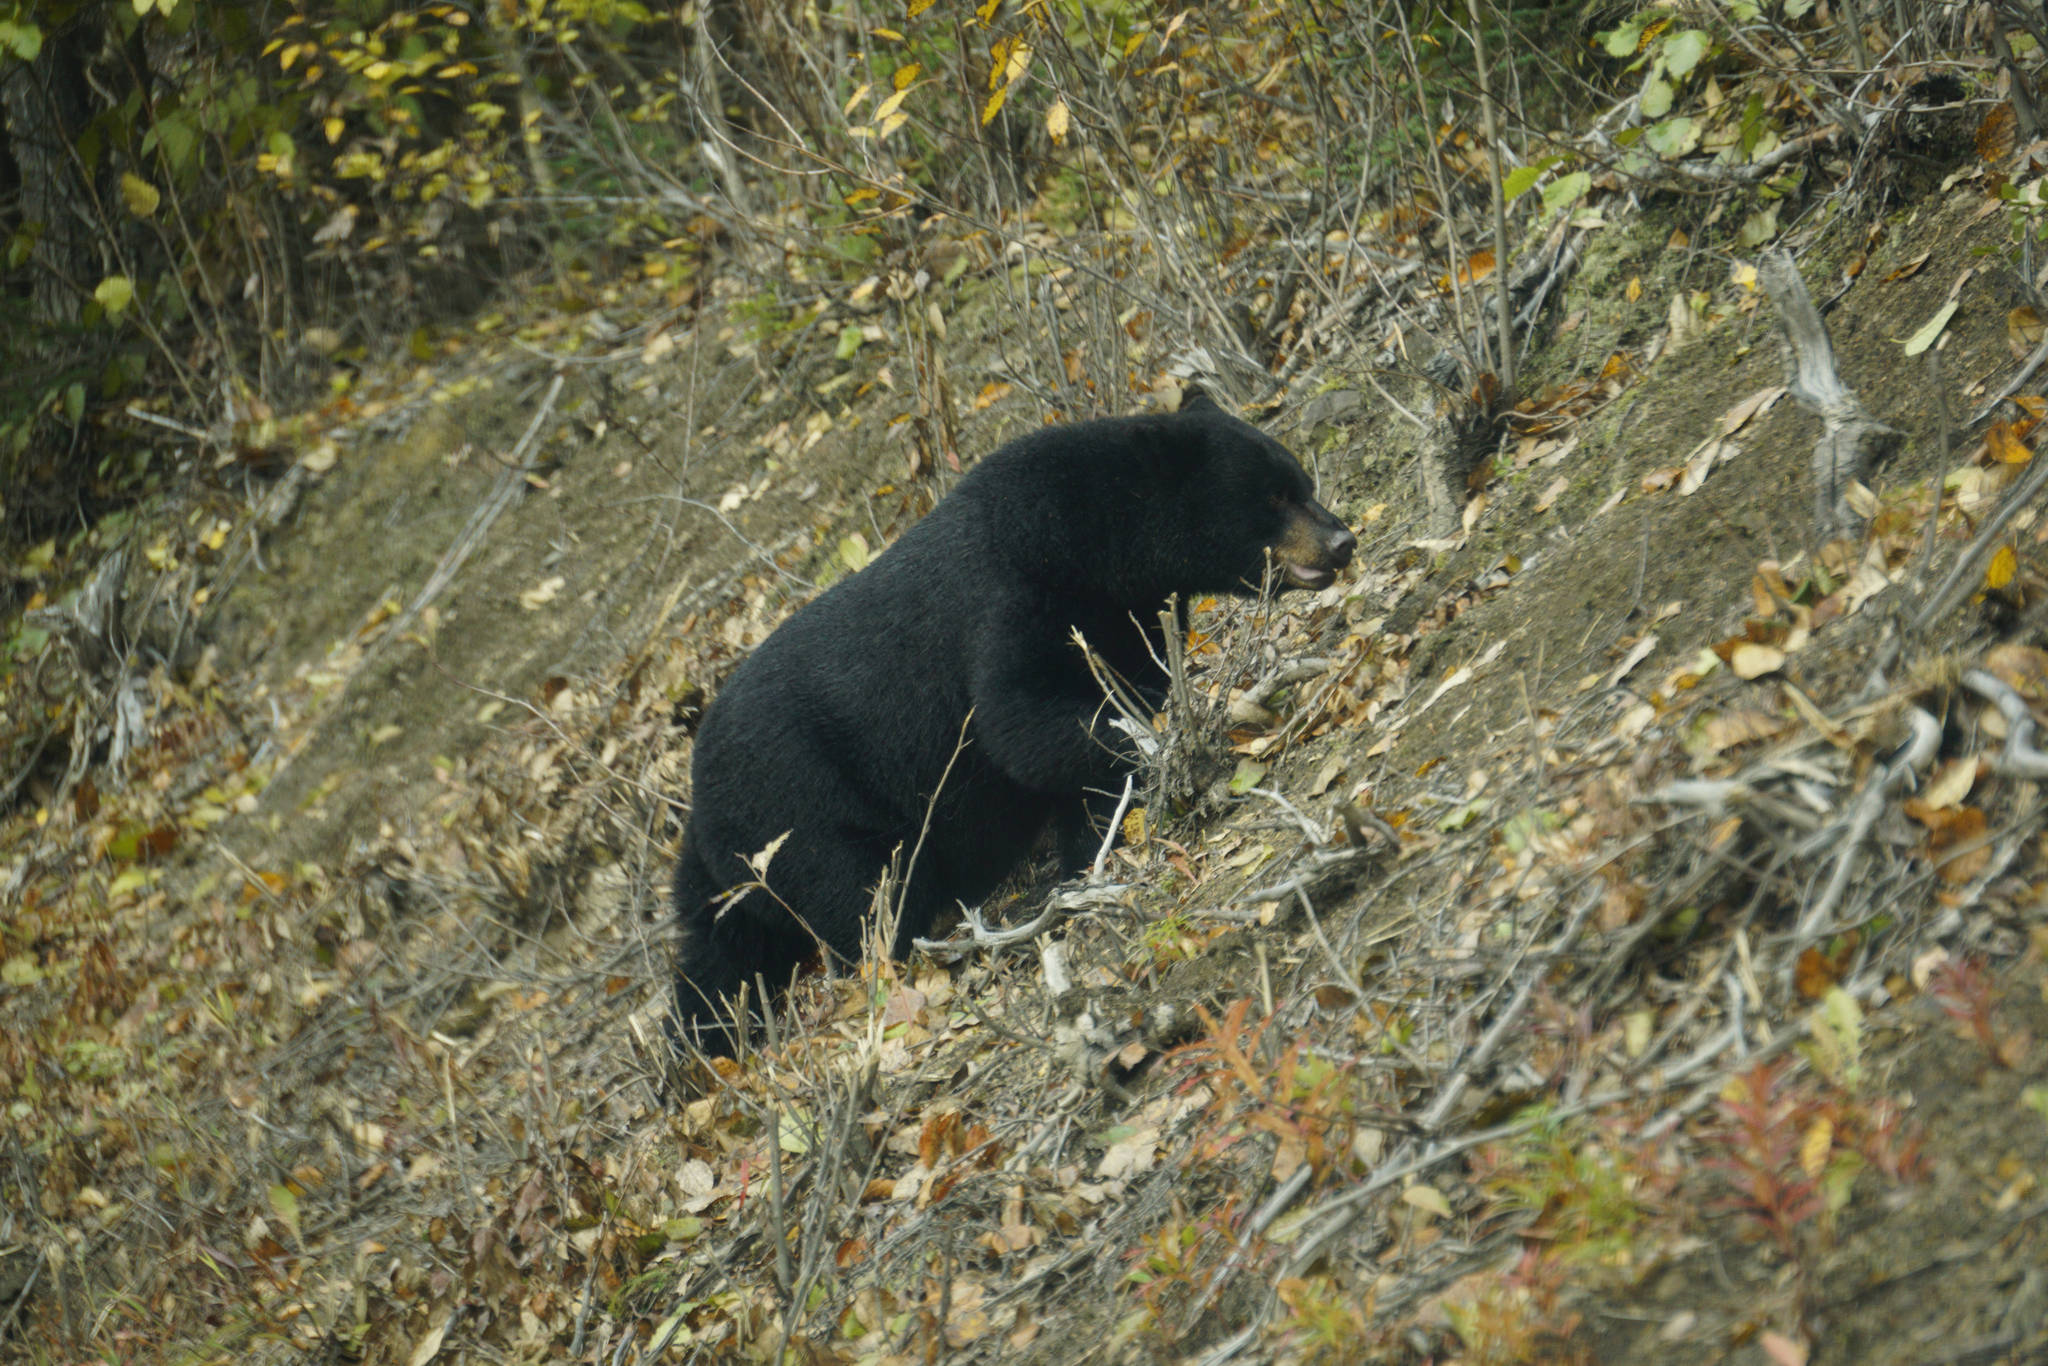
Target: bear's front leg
[{"x": 1040, "y": 718}]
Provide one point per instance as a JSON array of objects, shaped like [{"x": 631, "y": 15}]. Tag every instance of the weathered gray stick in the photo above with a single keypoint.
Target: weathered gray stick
[{"x": 1852, "y": 442}]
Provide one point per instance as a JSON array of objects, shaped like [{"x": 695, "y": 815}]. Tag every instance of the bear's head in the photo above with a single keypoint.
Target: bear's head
[{"x": 1240, "y": 502}]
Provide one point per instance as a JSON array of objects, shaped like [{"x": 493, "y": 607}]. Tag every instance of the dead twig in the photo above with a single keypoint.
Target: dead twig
[
  {"x": 1846, "y": 836},
  {"x": 2020, "y": 759}
]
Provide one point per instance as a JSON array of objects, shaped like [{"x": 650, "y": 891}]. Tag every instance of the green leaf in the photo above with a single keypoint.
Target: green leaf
[
  {"x": 174, "y": 135},
  {"x": 1622, "y": 42},
  {"x": 114, "y": 294},
  {"x": 1566, "y": 189},
  {"x": 28, "y": 642},
  {"x": 1465, "y": 815},
  {"x": 23, "y": 40},
  {"x": 1753, "y": 125},
  {"x": 849, "y": 342},
  {"x": 1759, "y": 228},
  {"x": 1247, "y": 777},
  {"x": 1673, "y": 137},
  {"x": 1656, "y": 97},
  {"x": 139, "y": 195},
  {"x": 1683, "y": 51},
  {"x": 1839, "y": 1179},
  {"x": 1926, "y": 336},
  {"x": 2035, "y": 1098},
  {"x": 286, "y": 1206},
  {"x": 74, "y": 402}
]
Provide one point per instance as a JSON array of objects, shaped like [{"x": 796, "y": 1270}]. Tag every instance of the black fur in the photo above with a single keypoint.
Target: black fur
[{"x": 839, "y": 726}]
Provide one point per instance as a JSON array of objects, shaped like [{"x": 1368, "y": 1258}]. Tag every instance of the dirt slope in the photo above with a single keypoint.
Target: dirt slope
[{"x": 1531, "y": 1064}]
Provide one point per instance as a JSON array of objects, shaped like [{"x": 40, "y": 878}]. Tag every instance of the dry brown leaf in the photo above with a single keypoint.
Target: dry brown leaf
[
  {"x": 1909, "y": 269},
  {"x": 1997, "y": 133},
  {"x": 1725, "y": 730},
  {"x": 2020, "y": 667},
  {"x": 1130, "y": 1155},
  {"x": 424, "y": 1351},
  {"x": 1815, "y": 974},
  {"x": 1759, "y": 402},
  {"x": 2023, "y": 331}
]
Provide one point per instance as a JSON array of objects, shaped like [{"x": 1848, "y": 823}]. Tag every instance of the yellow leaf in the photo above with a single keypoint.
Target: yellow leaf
[
  {"x": 986, "y": 11},
  {"x": 918, "y": 7},
  {"x": 1058, "y": 121},
  {"x": 2006, "y": 445},
  {"x": 994, "y": 105},
  {"x": 890, "y": 105},
  {"x": 854, "y": 103},
  {"x": 333, "y": 129},
  {"x": 140, "y": 196},
  {"x": 1017, "y": 63},
  {"x": 116, "y": 292},
  {"x": 1814, "y": 1148},
  {"x": 2003, "y": 566},
  {"x": 906, "y": 74},
  {"x": 892, "y": 123}
]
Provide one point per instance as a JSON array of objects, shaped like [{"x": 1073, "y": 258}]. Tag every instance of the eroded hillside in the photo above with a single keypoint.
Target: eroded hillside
[{"x": 1615, "y": 933}]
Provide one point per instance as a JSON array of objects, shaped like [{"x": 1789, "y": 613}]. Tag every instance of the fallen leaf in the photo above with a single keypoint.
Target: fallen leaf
[
  {"x": 1997, "y": 133},
  {"x": 2023, "y": 331},
  {"x": 431, "y": 1343},
  {"x": 1758, "y": 402},
  {"x": 1130, "y": 1155},
  {"x": 2004, "y": 564},
  {"x": 1950, "y": 784},
  {"x": 1428, "y": 1199},
  {"x": 1931, "y": 330},
  {"x": 1751, "y": 660},
  {"x": 1911, "y": 268}
]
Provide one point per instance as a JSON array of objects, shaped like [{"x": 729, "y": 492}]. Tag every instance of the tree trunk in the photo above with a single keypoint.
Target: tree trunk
[{"x": 48, "y": 104}]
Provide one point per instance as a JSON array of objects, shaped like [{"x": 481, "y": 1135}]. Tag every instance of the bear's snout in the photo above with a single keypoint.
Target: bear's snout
[{"x": 1314, "y": 546}]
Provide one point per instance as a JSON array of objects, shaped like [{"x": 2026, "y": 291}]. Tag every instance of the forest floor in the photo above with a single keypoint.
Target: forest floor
[{"x": 333, "y": 1019}]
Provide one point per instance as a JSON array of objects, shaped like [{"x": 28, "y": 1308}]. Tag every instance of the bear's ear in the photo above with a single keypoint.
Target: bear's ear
[{"x": 1194, "y": 399}]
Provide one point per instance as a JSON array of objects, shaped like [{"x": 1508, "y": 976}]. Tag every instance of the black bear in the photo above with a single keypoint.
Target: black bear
[{"x": 934, "y": 707}]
